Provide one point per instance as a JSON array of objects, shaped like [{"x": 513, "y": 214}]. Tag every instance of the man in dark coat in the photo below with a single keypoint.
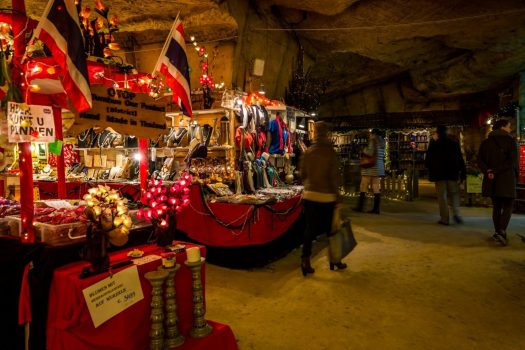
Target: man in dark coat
[
  {"x": 498, "y": 160},
  {"x": 445, "y": 167}
]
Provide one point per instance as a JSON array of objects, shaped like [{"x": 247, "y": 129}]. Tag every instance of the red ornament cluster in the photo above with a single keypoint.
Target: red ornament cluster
[{"x": 162, "y": 201}]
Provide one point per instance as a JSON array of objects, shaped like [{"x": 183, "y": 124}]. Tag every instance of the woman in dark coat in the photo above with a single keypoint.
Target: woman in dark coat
[{"x": 498, "y": 160}]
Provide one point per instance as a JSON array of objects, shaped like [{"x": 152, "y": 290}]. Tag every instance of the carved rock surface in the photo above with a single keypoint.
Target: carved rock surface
[{"x": 447, "y": 48}]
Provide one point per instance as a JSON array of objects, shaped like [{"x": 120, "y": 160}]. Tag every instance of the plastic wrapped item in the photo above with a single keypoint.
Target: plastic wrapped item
[{"x": 52, "y": 234}]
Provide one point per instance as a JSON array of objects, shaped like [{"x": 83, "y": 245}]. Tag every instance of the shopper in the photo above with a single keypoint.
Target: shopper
[
  {"x": 498, "y": 160},
  {"x": 446, "y": 167},
  {"x": 370, "y": 177},
  {"x": 319, "y": 167}
]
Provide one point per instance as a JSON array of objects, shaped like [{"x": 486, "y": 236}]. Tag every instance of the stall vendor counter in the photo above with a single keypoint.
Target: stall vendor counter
[
  {"x": 236, "y": 225},
  {"x": 69, "y": 324}
]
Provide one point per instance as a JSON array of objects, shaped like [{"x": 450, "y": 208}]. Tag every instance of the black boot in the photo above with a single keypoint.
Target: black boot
[
  {"x": 360, "y": 202},
  {"x": 377, "y": 203},
  {"x": 306, "y": 268}
]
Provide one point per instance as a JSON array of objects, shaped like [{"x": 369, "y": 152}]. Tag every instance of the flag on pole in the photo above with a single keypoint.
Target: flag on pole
[
  {"x": 59, "y": 29},
  {"x": 173, "y": 64}
]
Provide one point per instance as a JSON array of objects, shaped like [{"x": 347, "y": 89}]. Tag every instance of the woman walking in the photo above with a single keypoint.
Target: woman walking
[
  {"x": 498, "y": 160},
  {"x": 370, "y": 176},
  {"x": 319, "y": 168}
]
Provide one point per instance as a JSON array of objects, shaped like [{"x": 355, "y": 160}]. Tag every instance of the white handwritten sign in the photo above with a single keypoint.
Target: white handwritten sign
[
  {"x": 30, "y": 123},
  {"x": 113, "y": 295}
]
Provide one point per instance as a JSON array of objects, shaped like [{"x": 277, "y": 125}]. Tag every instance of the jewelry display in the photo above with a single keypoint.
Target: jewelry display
[
  {"x": 200, "y": 328},
  {"x": 156, "y": 279},
  {"x": 173, "y": 337}
]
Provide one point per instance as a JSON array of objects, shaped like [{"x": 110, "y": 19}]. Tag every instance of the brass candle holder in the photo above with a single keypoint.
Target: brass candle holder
[
  {"x": 156, "y": 334},
  {"x": 173, "y": 337},
  {"x": 200, "y": 328}
]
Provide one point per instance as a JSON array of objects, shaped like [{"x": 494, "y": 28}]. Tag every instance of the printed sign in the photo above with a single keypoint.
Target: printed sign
[
  {"x": 113, "y": 295},
  {"x": 30, "y": 123},
  {"x": 126, "y": 112},
  {"x": 474, "y": 183}
]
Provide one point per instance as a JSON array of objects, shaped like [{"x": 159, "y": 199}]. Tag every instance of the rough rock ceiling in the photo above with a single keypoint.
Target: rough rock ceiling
[{"x": 447, "y": 47}]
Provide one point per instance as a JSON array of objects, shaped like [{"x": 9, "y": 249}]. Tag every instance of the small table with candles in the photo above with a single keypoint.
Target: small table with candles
[{"x": 70, "y": 325}]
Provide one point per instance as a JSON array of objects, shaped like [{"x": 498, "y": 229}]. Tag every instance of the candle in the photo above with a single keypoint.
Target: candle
[
  {"x": 193, "y": 254},
  {"x": 168, "y": 260}
]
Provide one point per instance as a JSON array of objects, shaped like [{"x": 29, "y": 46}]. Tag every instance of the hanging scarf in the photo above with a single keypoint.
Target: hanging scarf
[{"x": 280, "y": 129}]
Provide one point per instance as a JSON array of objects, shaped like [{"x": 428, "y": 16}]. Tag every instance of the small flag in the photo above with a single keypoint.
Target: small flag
[
  {"x": 59, "y": 29},
  {"x": 173, "y": 64}
]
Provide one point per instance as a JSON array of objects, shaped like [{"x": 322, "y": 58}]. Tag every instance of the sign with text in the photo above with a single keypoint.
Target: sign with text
[
  {"x": 474, "y": 183},
  {"x": 30, "y": 123},
  {"x": 113, "y": 295},
  {"x": 126, "y": 112}
]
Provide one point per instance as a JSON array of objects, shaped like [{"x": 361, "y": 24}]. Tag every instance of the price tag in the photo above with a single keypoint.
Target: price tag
[{"x": 88, "y": 160}]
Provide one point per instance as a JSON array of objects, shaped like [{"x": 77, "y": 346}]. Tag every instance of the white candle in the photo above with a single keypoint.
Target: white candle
[{"x": 193, "y": 254}]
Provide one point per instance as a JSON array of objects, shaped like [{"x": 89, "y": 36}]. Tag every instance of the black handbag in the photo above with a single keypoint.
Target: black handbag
[
  {"x": 487, "y": 187},
  {"x": 341, "y": 241}
]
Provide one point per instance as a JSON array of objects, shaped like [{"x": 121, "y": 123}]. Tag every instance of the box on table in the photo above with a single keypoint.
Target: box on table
[{"x": 52, "y": 234}]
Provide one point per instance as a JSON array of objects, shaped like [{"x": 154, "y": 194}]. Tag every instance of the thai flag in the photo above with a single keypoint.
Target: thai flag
[
  {"x": 173, "y": 64},
  {"x": 59, "y": 29}
]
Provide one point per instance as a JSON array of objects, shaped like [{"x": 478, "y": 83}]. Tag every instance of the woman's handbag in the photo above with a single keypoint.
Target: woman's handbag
[
  {"x": 367, "y": 161},
  {"x": 341, "y": 241},
  {"x": 487, "y": 186}
]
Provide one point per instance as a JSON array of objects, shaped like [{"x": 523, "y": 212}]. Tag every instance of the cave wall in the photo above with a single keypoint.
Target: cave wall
[
  {"x": 395, "y": 96},
  {"x": 220, "y": 67},
  {"x": 277, "y": 48}
]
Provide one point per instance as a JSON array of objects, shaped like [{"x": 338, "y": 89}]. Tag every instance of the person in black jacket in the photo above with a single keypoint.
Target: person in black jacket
[
  {"x": 445, "y": 167},
  {"x": 498, "y": 160}
]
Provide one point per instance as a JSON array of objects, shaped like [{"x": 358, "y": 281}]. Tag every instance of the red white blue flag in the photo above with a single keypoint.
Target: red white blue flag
[
  {"x": 59, "y": 29},
  {"x": 173, "y": 64}
]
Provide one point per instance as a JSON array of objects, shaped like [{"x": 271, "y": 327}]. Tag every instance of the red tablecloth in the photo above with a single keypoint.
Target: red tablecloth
[
  {"x": 252, "y": 225},
  {"x": 70, "y": 326}
]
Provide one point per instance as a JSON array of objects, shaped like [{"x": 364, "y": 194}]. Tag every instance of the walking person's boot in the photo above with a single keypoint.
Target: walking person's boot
[
  {"x": 377, "y": 203},
  {"x": 360, "y": 202},
  {"x": 306, "y": 267}
]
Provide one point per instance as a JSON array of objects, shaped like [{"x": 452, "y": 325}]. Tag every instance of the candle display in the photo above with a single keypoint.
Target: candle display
[
  {"x": 168, "y": 260},
  {"x": 193, "y": 254}
]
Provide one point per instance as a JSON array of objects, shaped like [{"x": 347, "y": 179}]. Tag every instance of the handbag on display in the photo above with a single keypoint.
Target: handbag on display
[
  {"x": 367, "y": 161},
  {"x": 201, "y": 150},
  {"x": 131, "y": 142},
  {"x": 341, "y": 241}
]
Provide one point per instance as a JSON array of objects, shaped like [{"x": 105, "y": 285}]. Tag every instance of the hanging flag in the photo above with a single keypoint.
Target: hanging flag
[
  {"x": 173, "y": 64},
  {"x": 59, "y": 29}
]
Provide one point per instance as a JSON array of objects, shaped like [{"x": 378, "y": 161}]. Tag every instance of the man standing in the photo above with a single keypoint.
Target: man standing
[
  {"x": 498, "y": 159},
  {"x": 445, "y": 167}
]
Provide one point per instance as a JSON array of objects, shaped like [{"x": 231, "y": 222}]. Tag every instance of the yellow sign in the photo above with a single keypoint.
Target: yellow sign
[
  {"x": 36, "y": 194},
  {"x": 474, "y": 183},
  {"x": 126, "y": 112},
  {"x": 113, "y": 295}
]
